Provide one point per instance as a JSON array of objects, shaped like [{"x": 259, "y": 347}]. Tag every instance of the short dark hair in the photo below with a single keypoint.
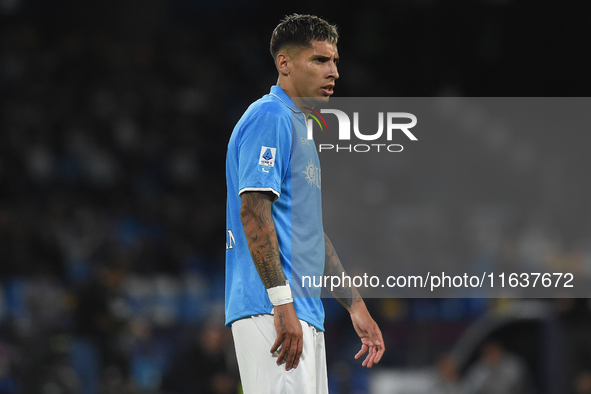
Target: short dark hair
[{"x": 301, "y": 30}]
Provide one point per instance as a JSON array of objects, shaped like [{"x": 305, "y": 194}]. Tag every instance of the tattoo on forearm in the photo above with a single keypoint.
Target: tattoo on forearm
[
  {"x": 345, "y": 294},
  {"x": 281, "y": 323},
  {"x": 260, "y": 231},
  {"x": 266, "y": 260}
]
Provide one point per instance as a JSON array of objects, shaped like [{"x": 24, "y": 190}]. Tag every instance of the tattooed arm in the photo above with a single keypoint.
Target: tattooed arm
[
  {"x": 348, "y": 296},
  {"x": 259, "y": 228}
]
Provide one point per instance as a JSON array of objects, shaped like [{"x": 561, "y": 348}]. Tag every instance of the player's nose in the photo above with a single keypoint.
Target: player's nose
[{"x": 334, "y": 73}]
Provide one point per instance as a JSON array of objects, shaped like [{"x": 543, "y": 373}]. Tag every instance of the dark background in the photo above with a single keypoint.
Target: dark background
[{"x": 114, "y": 118}]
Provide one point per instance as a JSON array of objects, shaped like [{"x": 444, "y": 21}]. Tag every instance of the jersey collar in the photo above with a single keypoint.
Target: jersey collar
[{"x": 284, "y": 98}]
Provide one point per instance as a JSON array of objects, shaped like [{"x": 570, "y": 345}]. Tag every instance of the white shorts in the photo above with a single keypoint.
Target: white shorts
[{"x": 253, "y": 338}]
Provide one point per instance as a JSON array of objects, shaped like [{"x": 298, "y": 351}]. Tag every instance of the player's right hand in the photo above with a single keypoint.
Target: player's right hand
[{"x": 289, "y": 336}]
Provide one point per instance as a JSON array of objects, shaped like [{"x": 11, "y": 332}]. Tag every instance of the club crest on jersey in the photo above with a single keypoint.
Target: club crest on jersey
[{"x": 267, "y": 159}]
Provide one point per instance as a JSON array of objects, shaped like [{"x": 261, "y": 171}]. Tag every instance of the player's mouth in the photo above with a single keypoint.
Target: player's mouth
[{"x": 328, "y": 90}]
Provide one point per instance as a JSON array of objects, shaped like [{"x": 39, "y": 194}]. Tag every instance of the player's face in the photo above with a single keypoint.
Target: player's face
[{"x": 314, "y": 71}]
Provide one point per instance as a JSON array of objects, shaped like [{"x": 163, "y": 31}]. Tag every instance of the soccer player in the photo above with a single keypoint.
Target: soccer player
[{"x": 274, "y": 225}]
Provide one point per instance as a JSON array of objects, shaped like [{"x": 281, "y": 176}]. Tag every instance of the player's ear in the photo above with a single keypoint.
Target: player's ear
[{"x": 283, "y": 63}]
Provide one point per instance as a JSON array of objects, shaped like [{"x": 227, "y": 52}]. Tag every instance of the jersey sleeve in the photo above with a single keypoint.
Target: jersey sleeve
[{"x": 264, "y": 151}]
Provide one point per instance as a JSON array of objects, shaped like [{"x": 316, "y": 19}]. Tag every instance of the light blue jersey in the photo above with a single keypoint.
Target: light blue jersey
[{"x": 269, "y": 151}]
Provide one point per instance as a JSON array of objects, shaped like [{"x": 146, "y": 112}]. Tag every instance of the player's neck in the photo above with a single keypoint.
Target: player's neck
[{"x": 291, "y": 93}]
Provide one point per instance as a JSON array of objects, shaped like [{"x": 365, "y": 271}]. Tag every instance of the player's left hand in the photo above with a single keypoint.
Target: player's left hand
[{"x": 370, "y": 334}]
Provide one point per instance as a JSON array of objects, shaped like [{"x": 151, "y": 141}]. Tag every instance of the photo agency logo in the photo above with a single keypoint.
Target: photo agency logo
[{"x": 389, "y": 123}]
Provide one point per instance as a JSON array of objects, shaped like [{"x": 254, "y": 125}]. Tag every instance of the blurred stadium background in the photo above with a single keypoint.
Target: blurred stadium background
[{"x": 114, "y": 120}]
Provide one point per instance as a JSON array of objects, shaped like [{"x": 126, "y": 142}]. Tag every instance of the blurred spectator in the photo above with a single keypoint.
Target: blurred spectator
[
  {"x": 447, "y": 380},
  {"x": 206, "y": 367},
  {"x": 575, "y": 320},
  {"x": 496, "y": 372},
  {"x": 102, "y": 317}
]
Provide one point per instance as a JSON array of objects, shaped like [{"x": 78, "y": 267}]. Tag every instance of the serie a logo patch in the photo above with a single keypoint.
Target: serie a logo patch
[{"x": 267, "y": 159}]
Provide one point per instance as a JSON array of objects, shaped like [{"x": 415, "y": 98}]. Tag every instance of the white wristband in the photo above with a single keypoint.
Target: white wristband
[{"x": 280, "y": 295}]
